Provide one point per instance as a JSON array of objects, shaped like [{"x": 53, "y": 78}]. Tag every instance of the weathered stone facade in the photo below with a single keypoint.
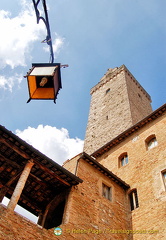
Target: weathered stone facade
[{"x": 118, "y": 101}]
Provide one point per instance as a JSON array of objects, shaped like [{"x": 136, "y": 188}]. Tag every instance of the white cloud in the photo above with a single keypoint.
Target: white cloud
[
  {"x": 57, "y": 44},
  {"x": 8, "y": 83},
  {"x": 54, "y": 143},
  {"x": 18, "y": 35}
]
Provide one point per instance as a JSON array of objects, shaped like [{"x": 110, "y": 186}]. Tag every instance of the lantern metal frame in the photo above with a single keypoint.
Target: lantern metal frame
[
  {"x": 44, "y": 79},
  {"x": 49, "y": 90}
]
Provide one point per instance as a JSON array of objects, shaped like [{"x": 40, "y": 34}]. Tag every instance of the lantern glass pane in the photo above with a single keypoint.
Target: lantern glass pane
[{"x": 43, "y": 71}]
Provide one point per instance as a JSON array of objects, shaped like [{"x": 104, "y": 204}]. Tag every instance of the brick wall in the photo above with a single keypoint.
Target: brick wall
[
  {"x": 143, "y": 172},
  {"x": 15, "y": 227},
  {"x": 71, "y": 164},
  {"x": 87, "y": 215},
  {"x": 90, "y": 210}
]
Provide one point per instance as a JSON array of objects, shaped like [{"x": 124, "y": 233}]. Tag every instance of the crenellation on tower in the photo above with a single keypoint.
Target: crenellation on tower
[
  {"x": 111, "y": 73},
  {"x": 117, "y": 102}
]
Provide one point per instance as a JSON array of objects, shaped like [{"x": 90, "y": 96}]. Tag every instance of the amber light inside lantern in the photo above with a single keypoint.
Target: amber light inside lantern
[{"x": 44, "y": 81}]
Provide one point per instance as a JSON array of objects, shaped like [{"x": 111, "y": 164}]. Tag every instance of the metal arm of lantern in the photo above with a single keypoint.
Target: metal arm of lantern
[
  {"x": 48, "y": 39},
  {"x": 44, "y": 80}
]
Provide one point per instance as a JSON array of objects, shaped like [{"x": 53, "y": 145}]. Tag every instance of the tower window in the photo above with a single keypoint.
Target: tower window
[
  {"x": 108, "y": 90},
  {"x": 139, "y": 96},
  {"x": 164, "y": 178},
  {"x": 106, "y": 192},
  {"x": 133, "y": 199},
  {"x": 123, "y": 160},
  {"x": 151, "y": 142}
]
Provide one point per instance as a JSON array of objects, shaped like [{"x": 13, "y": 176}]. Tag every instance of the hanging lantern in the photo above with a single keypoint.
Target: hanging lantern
[{"x": 44, "y": 81}]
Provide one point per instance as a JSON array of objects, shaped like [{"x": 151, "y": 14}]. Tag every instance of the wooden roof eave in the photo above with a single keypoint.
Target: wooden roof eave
[{"x": 34, "y": 154}]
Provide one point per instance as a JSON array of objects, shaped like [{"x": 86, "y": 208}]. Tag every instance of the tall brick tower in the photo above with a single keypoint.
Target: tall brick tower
[{"x": 118, "y": 101}]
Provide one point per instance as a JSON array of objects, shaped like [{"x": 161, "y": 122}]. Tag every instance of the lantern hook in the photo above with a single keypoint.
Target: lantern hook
[{"x": 48, "y": 39}]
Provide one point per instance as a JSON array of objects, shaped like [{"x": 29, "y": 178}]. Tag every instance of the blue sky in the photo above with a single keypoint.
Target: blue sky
[{"x": 91, "y": 36}]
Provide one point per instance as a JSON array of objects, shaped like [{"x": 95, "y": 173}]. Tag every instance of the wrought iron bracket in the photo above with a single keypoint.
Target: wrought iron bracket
[{"x": 48, "y": 39}]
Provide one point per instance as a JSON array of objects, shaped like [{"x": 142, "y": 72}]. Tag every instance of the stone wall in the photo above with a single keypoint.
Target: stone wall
[
  {"x": 143, "y": 172},
  {"x": 118, "y": 101},
  {"x": 139, "y": 99}
]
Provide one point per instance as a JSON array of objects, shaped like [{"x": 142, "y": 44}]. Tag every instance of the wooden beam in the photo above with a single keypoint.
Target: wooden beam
[
  {"x": 10, "y": 162},
  {"x": 27, "y": 157},
  {"x": 40, "y": 181},
  {"x": 17, "y": 174},
  {"x": 5, "y": 187},
  {"x": 15, "y": 148},
  {"x": 37, "y": 206},
  {"x": 15, "y": 177},
  {"x": 50, "y": 172}
]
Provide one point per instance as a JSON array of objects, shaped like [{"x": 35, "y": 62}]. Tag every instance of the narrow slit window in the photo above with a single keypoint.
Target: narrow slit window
[
  {"x": 164, "y": 178},
  {"x": 133, "y": 196},
  {"x": 139, "y": 96},
  {"x": 107, "y": 192},
  {"x": 108, "y": 90}
]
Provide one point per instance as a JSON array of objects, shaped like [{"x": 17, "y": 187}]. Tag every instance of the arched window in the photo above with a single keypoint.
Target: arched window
[
  {"x": 151, "y": 142},
  {"x": 133, "y": 197},
  {"x": 123, "y": 159}
]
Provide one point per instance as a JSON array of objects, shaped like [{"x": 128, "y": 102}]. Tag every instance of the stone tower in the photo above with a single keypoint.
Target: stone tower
[{"x": 118, "y": 101}]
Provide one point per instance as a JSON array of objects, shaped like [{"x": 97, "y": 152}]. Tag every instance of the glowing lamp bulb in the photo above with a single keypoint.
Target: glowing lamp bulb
[{"x": 43, "y": 82}]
